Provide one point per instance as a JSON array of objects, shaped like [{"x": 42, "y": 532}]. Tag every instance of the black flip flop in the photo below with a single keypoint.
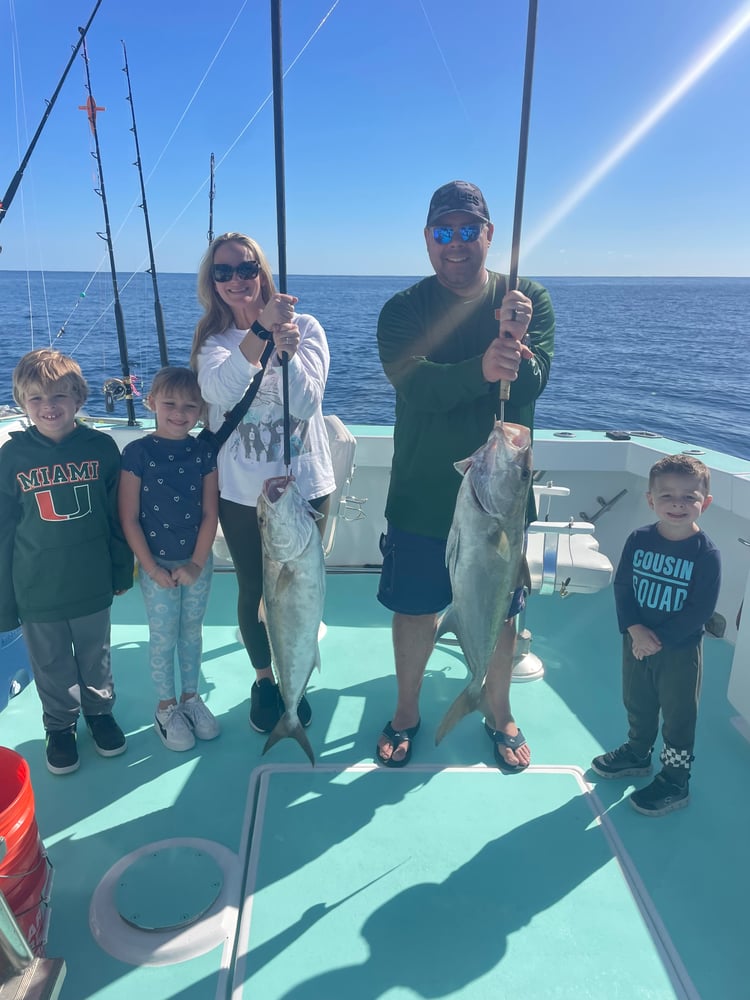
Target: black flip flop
[
  {"x": 396, "y": 737},
  {"x": 501, "y": 739}
]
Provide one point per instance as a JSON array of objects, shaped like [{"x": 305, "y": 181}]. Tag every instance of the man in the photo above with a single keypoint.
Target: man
[{"x": 445, "y": 353}]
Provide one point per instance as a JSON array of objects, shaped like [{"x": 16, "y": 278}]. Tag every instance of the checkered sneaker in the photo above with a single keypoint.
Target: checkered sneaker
[{"x": 670, "y": 757}]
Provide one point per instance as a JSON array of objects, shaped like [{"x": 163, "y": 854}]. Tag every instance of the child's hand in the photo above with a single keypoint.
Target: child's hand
[
  {"x": 644, "y": 641},
  {"x": 186, "y": 575},
  {"x": 162, "y": 578}
]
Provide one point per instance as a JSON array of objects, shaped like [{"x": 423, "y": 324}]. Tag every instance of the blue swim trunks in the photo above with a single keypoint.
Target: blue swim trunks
[{"x": 414, "y": 579}]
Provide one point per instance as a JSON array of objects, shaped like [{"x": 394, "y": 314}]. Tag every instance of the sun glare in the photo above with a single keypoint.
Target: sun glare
[{"x": 724, "y": 39}]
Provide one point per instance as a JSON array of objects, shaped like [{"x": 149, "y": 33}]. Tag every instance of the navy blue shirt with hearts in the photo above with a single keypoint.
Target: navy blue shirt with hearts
[{"x": 171, "y": 474}]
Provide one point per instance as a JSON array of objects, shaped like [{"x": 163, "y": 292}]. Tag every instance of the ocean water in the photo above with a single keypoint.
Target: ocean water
[{"x": 668, "y": 355}]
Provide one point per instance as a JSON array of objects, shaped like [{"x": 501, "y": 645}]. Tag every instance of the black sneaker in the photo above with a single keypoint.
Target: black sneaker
[
  {"x": 662, "y": 796},
  {"x": 108, "y": 737},
  {"x": 620, "y": 763},
  {"x": 61, "y": 750},
  {"x": 265, "y": 705},
  {"x": 304, "y": 712}
]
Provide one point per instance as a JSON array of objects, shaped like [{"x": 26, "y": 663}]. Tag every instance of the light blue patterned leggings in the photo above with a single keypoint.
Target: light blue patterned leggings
[{"x": 175, "y": 622}]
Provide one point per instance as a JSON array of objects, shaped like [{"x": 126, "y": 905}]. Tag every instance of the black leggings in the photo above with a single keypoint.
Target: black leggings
[{"x": 240, "y": 526}]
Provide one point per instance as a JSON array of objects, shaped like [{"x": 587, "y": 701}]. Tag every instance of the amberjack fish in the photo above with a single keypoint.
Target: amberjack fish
[
  {"x": 293, "y": 595},
  {"x": 484, "y": 553}
]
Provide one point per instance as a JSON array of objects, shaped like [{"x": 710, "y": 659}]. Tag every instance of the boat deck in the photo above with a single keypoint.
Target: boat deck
[{"x": 443, "y": 879}]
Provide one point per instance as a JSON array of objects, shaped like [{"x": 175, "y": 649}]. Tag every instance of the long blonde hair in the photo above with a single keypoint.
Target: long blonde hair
[{"x": 217, "y": 316}]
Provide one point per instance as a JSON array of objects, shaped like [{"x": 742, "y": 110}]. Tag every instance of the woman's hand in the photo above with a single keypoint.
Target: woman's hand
[
  {"x": 279, "y": 309},
  {"x": 286, "y": 339}
]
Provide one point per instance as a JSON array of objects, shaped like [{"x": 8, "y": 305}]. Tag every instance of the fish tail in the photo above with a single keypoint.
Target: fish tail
[
  {"x": 467, "y": 701},
  {"x": 290, "y": 726}
]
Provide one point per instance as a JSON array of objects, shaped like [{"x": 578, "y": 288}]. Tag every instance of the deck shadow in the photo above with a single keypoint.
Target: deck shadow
[{"x": 457, "y": 886}]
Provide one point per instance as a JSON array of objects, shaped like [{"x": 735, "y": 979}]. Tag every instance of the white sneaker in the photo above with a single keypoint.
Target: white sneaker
[
  {"x": 200, "y": 718},
  {"x": 173, "y": 729}
]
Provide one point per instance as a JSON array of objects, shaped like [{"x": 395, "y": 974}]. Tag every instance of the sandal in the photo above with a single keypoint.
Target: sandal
[
  {"x": 501, "y": 739},
  {"x": 397, "y": 737}
]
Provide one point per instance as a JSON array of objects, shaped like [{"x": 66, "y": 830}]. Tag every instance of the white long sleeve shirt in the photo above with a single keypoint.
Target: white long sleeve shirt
[{"x": 255, "y": 450}]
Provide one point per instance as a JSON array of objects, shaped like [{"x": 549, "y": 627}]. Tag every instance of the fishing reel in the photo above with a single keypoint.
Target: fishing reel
[{"x": 115, "y": 389}]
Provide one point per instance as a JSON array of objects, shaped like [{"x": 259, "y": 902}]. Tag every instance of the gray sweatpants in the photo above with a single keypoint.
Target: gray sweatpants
[
  {"x": 670, "y": 682},
  {"x": 72, "y": 667}
]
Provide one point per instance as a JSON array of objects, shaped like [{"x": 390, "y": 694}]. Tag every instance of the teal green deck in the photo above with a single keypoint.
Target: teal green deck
[{"x": 445, "y": 879}]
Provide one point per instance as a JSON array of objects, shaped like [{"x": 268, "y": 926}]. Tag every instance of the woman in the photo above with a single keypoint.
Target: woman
[{"x": 243, "y": 311}]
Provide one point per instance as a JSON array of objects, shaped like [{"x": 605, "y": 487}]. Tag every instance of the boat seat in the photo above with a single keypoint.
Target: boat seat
[
  {"x": 343, "y": 446},
  {"x": 563, "y": 556}
]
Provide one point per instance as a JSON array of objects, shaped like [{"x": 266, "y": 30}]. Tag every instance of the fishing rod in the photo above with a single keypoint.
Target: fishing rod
[
  {"x": 14, "y": 184},
  {"x": 523, "y": 143},
  {"x": 211, "y": 196},
  {"x": 91, "y": 108},
  {"x": 278, "y": 132},
  {"x": 158, "y": 312}
]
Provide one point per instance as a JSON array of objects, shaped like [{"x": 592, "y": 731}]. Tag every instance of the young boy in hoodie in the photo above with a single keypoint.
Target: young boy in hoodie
[{"x": 63, "y": 555}]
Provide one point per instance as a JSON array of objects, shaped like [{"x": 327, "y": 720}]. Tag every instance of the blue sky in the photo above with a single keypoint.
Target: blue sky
[{"x": 388, "y": 100}]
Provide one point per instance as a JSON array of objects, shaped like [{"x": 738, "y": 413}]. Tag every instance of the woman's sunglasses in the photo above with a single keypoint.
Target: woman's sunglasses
[
  {"x": 444, "y": 234},
  {"x": 246, "y": 270}
]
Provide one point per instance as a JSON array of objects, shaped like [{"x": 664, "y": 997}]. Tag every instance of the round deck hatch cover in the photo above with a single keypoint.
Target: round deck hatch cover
[{"x": 169, "y": 888}]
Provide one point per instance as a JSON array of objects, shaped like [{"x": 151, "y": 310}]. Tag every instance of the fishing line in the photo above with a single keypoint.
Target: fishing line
[
  {"x": 445, "y": 63},
  {"x": 262, "y": 105},
  {"x": 19, "y": 101},
  {"x": 197, "y": 89}
]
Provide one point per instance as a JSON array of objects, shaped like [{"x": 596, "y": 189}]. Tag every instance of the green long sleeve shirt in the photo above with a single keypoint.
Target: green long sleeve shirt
[
  {"x": 431, "y": 343},
  {"x": 62, "y": 550}
]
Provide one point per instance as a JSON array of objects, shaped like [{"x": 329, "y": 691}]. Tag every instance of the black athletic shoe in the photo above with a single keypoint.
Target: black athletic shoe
[
  {"x": 265, "y": 706},
  {"x": 109, "y": 739},
  {"x": 620, "y": 763},
  {"x": 304, "y": 712},
  {"x": 61, "y": 751},
  {"x": 662, "y": 796}
]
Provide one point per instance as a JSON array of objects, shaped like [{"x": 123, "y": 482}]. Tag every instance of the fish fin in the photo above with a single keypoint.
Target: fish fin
[
  {"x": 503, "y": 546},
  {"x": 467, "y": 701},
  {"x": 290, "y": 726},
  {"x": 524, "y": 574},
  {"x": 463, "y": 466},
  {"x": 285, "y": 579},
  {"x": 448, "y": 623}
]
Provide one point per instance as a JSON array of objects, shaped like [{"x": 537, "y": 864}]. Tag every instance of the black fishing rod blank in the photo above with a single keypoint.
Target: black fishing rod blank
[
  {"x": 158, "y": 312},
  {"x": 14, "y": 184},
  {"x": 523, "y": 143},
  {"x": 211, "y": 196},
  {"x": 278, "y": 132},
  {"x": 107, "y": 236}
]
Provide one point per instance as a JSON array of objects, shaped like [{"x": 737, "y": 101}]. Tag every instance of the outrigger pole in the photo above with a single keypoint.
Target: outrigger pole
[
  {"x": 211, "y": 196},
  {"x": 278, "y": 130},
  {"x": 158, "y": 312},
  {"x": 14, "y": 184},
  {"x": 91, "y": 108},
  {"x": 523, "y": 143}
]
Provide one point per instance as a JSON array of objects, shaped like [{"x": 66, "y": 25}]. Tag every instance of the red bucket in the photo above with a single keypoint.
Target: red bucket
[{"x": 25, "y": 873}]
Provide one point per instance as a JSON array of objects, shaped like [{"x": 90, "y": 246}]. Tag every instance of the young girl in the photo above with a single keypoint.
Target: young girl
[{"x": 168, "y": 501}]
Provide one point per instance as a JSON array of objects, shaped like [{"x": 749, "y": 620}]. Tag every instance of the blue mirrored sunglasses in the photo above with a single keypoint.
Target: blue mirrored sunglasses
[
  {"x": 246, "y": 270},
  {"x": 444, "y": 234}
]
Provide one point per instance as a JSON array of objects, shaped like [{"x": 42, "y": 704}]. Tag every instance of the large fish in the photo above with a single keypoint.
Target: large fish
[
  {"x": 484, "y": 553},
  {"x": 293, "y": 595}
]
